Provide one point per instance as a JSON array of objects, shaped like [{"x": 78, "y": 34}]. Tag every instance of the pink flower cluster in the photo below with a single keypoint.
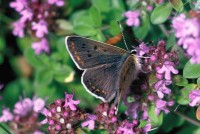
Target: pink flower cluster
[
  {"x": 187, "y": 30},
  {"x": 64, "y": 116},
  {"x": 24, "y": 118},
  {"x": 153, "y": 82},
  {"x": 36, "y": 17}
]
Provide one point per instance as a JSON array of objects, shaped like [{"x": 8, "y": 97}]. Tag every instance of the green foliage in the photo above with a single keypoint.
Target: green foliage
[
  {"x": 161, "y": 13},
  {"x": 191, "y": 70},
  {"x": 156, "y": 119},
  {"x": 177, "y": 5},
  {"x": 183, "y": 98},
  {"x": 142, "y": 31}
]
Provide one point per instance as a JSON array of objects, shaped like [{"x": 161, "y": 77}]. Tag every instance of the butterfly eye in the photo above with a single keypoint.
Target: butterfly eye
[{"x": 133, "y": 51}]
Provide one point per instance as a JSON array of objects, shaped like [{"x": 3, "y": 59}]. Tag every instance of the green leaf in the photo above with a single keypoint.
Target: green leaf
[
  {"x": 114, "y": 28},
  {"x": 161, "y": 13},
  {"x": 84, "y": 30},
  {"x": 95, "y": 16},
  {"x": 101, "y": 131},
  {"x": 24, "y": 43},
  {"x": 1, "y": 59},
  {"x": 63, "y": 73},
  {"x": 2, "y": 43},
  {"x": 81, "y": 17},
  {"x": 32, "y": 59},
  {"x": 102, "y": 5},
  {"x": 180, "y": 80},
  {"x": 191, "y": 2},
  {"x": 51, "y": 92},
  {"x": 12, "y": 89},
  {"x": 183, "y": 98},
  {"x": 198, "y": 82},
  {"x": 177, "y": 5},
  {"x": 118, "y": 4},
  {"x": 142, "y": 31},
  {"x": 191, "y": 70},
  {"x": 44, "y": 76},
  {"x": 171, "y": 41},
  {"x": 99, "y": 36},
  {"x": 4, "y": 129},
  {"x": 156, "y": 119},
  {"x": 64, "y": 27},
  {"x": 143, "y": 123}
]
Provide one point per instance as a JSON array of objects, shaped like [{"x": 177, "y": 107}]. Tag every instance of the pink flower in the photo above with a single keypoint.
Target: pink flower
[
  {"x": 132, "y": 18},
  {"x": 147, "y": 128},
  {"x": 46, "y": 113},
  {"x": 22, "y": 107},
  {"x": 126, "y": 128},
  {"x": 18, "y": 29},
  {"x": 41, "y": 28},
  {"x": 7, "y": 115},
  {"x": 70, "y": 102},
  {"x": 38, "y": 132},
  {"x": 133, "y": 109},
  {"x": 161, "y": 88},
  {"x": 90, "y": 121},
  {"x": 149, "y": 7},
  {"x": 193, "y": 49},
  {"x": 19, "y": 5},
  {"x": 194, "y": 97},
  {"x": 26, "y": 15},
  {"x": 38, "y": 104},
  {"x": 167, "y": 68},
  {"x": 187, "y": 30},
  {"x": 143, "y": 49},
  {"x": 161, "y": 105},
  {"x": 56, "y": 2},
  {"x": 177, "y": 24},
  {"x": 41, "y": 46}
]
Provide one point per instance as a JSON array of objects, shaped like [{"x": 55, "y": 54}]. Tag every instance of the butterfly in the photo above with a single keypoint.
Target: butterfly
[{"x": 108, "y": 70}]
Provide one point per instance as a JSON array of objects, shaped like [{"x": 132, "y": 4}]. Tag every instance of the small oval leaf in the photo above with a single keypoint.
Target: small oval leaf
[
  {"x": 95, "y": 16},
  {"x": 161, "y": 13},
  {"x": 84, "y": 30},
  {"x": 191, "y": 70}
]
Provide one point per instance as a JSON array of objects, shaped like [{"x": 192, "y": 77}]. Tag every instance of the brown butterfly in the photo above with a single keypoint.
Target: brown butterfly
[{"x": 108, "y": 70}]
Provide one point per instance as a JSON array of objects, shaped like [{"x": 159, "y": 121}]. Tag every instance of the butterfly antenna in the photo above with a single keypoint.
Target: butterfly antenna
[{"x": 123, "y": 35}]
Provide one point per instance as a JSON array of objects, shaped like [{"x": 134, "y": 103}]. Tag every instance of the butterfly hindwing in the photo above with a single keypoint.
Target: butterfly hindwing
[
  {"x": 88, "y": 53},
  {"x": 104, "y": 81}
]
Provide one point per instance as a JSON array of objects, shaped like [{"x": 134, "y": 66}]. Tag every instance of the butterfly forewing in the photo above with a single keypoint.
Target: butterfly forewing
[
  {"x": 88, "y": 53},
  {"x": 104, "y": 81}
]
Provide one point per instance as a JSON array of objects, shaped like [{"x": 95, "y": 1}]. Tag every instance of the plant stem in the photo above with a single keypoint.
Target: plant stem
[
  {"x": 4, "y": 128},
  {"x": 164, "y": 30},
  {"x": 188, "y": 119}
]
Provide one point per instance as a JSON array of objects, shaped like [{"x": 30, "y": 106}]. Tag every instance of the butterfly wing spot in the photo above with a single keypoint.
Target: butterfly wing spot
[
  {"x": 83, "y": 45},
  {"x": 95, "y": 47},
  {"x": 89, "y": 55}
]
